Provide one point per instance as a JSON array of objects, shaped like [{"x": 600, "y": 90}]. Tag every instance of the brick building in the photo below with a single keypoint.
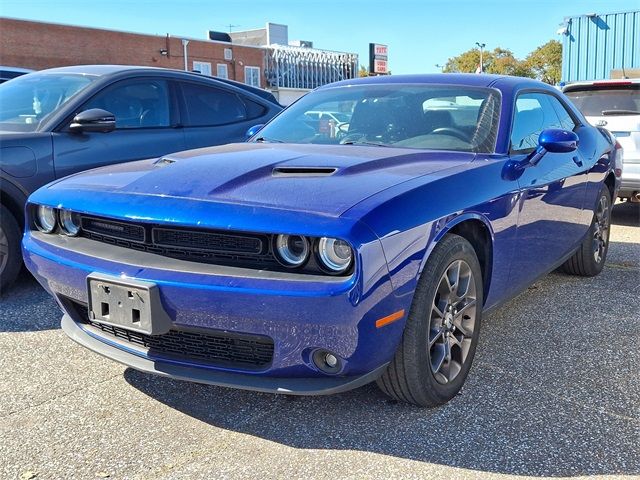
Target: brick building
[{"x": 39, "y": 45}]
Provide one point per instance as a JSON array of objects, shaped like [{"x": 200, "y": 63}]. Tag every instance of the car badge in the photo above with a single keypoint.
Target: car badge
[{"x": 601, "y": 123}]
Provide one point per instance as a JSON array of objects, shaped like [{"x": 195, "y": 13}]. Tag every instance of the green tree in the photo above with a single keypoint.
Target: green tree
[
  {"x": 546, "y": 62},
  {"x": 499, "y": 61},
  {"x": 466, "y": 62},
  {"x": 503, "y": 62},
  {"x": 363, "y": 72}
]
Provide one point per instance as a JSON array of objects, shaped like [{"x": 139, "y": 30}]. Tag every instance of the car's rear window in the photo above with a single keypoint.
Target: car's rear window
[{"x": 594, "y": 100}]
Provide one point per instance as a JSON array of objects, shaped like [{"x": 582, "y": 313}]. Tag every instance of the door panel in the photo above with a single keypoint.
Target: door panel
[
  {"x": 552, "y": 193},
  {"x": 145, "y": 128}
]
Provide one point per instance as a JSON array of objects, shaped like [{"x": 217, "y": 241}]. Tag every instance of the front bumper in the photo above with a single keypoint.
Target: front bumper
[
  {"x": 301, "y": 316},
  {"x": 290, "y": 386}
]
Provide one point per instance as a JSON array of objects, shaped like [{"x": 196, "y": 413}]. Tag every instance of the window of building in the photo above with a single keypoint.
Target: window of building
[
  {"x": 252, "y": 76},
  {"x": 207, "y": 106},
  {"x": 222, "y": 70},
  {"x": 202, "y": 67},
  {"x": 228, "y": 54},
  {"x": 135, "y": 104}
]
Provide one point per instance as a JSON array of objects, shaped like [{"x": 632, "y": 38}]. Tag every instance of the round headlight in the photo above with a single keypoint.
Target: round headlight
[
  {"x": 292, "y": 250},
  {"x": 46, "y": 219},
  {"x": 70, "y": 222},
  {"x": 335, "y": 255}
]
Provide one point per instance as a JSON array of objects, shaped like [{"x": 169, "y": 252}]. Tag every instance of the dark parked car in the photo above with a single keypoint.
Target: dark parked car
[
  {"x": 317, "y": 260},
  {"x": 8, "y": 73},
  {"x": 57, "y": 122}
]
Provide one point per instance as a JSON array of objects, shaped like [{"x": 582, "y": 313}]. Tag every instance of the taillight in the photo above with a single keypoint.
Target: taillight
[{"x": 617, "y": 159}]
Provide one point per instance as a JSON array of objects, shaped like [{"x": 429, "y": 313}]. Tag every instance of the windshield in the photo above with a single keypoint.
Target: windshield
[
  {"x": 612, "y": 100},
  {"x": 401, "y": 115},
  {"x": 26, "y": 101}
]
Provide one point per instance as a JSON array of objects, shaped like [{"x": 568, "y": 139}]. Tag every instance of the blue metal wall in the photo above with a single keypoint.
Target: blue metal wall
[{"x": 594, "y": 45}]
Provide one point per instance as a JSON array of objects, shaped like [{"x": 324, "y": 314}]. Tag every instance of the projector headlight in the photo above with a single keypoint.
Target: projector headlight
[
  {"x": 335, "y": 255},
  {"x": 292, "y": 250},
  {"x": 70, "y": 223},
  {"x": 45, "y": 219}
]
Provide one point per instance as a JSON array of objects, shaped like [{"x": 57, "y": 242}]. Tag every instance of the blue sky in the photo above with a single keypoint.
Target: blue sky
[{"x": 420, "y": 33}]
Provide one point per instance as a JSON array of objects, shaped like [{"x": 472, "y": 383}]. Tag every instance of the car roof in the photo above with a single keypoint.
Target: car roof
[
  {"x": 5, "y": 68},
  {"x": 107, "y": 70},
  {"x": 503, "y": 82}
]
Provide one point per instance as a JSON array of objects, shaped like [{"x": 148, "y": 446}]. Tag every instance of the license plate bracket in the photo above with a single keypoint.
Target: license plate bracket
[{"x": 127, "y": 303}]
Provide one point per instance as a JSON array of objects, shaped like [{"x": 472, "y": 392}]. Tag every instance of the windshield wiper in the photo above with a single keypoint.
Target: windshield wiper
[
  {"x": 267, "y": 140},
  {"x": 362, "y": 142},
  {"x": 620, "y": 112}
]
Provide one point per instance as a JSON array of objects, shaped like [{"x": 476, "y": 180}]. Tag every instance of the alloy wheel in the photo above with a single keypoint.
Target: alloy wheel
[
  {"x": 452, "y": 321},
  {"x": 4, "y": 250},
  {"x": 601, "y": 229}
]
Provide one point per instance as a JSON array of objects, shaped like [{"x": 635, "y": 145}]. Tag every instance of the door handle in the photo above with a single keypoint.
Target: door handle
[{"x": 577, "y": 161}]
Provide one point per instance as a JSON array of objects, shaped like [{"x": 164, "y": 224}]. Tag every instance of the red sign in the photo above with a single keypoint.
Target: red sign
[
  {"x": 380, "y": 66},
  {"x": 380, "y": 50},
  {"x": 378, "y": 55}
]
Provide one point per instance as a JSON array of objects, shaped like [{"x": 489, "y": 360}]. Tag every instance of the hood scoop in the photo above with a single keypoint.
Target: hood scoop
[
  {"x": 164, "y": 161},
  {"x": 304, "y": 171}
]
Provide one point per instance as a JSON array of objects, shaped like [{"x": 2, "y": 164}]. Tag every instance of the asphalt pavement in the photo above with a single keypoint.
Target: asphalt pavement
[{"x": 554, "y": 392}]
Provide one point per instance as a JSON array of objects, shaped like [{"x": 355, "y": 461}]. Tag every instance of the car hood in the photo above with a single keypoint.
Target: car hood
[{"x": 324, "y": 179}]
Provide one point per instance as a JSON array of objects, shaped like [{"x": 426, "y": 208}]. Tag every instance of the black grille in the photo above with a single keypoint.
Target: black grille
[
  {"x": 218, "y": 242},
  {"x": 113, "y": 229},
  {"x": 243, "y": 351},
  {"x": 220, "y": 248}
]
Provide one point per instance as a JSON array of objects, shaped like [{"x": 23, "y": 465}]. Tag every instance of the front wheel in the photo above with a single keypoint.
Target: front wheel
[
  {"x": 441, "y": 334},
  {"x": 10, "y": 258},
  {"x": 589, "y": 259}
]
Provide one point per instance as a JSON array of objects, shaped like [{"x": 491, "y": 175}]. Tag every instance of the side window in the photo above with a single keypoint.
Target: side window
[
  {"x": 135, "y": 104},
  {"x": 208, "y": 106},
  {"x": 252, "y": 76},
  {"x": 254, "y": 109},
  {"x": 202, "y": 67},
  {"x": 222, "y": 70},
  {"x": 566, "y": 121},
  {"x": 534, "y": 113}
]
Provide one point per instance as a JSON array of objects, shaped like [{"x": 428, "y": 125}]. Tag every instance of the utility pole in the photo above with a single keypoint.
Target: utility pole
[{"x": 481, "y": 45}]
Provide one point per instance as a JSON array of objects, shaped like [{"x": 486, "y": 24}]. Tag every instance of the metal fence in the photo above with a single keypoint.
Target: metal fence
[{"x": 307, "y": 68}]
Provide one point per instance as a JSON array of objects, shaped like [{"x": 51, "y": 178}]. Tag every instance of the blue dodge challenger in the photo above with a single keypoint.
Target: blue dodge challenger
[{"x": 321, "y": 256}]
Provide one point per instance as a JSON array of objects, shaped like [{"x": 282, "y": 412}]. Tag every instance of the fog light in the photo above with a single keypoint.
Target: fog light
[
  {"x": 326, "y": 361},
  {"x": 330, "y": 360}
]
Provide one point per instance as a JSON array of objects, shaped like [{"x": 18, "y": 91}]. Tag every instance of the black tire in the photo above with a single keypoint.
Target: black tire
[
  {"x": 410, "y": 376},
  {"x": 10, "y": 257},
  {"x": 586, "y": 261}
]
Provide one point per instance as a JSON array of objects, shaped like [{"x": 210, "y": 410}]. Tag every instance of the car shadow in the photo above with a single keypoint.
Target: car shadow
[
  {"x": 626, "y": 214},
  {"x": 27, "y": 307},
  {"x": 540, "y": 400}
]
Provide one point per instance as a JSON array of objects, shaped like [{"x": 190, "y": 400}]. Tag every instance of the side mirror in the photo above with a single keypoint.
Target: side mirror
[
  {"x": 554, "y": 140},
  {"x": 253, "y": 130},
  {"x": 93, "y": 120}
]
